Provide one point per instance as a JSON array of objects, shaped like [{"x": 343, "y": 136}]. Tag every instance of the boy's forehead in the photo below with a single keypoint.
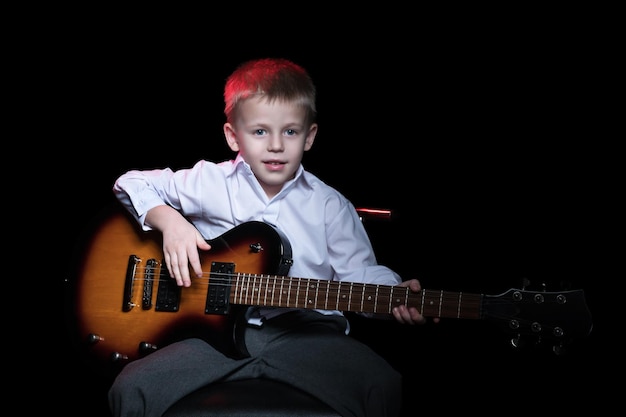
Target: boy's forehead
[
  {"x": 260, "y": 108},
  {"x": 261, "y": 101}
]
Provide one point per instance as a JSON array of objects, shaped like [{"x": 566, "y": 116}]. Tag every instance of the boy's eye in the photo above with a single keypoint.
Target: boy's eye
[
  {"x": 259, "y": 132},
  {"x": 290, "y": 132}
]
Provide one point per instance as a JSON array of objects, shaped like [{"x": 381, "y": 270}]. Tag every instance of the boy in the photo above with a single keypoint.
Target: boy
[{"x": 270, "y": 123}]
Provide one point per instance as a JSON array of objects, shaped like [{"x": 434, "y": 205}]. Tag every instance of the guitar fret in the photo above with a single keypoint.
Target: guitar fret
[
  {"x": 406, "y": 297},
  {"x": 298, "y": 292},
  {"x": 262, "y": 289},
  {"x": 237, "y": 291},
  {"x": 273, "y": 289},
  {"x": 257, "y": 287},
  {"x": 239, "y": 288},
  {"x": 307, "y": 302},
  {"x": 310, "y": 301},
  {"x": 246, "y": 289},
  {"x": 362, "y": 296},
  {"x": 440, "y": 301},
  {"x": 342, "y": 298},
  {"x": 268, "y": 290},
  {"x": 251, "y": 290},
  {"x": 327, "y": 292},
  {"x": 251, "y": 293},
  {"x": 280, "y": 293},
  {"x": 376, "y": 298},
  {"x": 302, "y": 299},
  {"x": 289, "y": 294}
]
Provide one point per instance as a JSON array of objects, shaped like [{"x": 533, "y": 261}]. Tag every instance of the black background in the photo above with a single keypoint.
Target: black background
[{"x": 485, "y": 143}]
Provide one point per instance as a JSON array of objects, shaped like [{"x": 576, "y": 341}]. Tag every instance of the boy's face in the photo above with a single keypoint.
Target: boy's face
[{"x": 271, "y": 138}]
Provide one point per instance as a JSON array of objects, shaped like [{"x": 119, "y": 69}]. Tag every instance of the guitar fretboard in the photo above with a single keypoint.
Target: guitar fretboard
[{"x": 280, "y": 291}]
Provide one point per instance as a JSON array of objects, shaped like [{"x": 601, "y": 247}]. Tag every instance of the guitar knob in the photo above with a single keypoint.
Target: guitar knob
[
  {"x": 145, "y": 348},
  {"x": 256, "y": 247},
  {"x": 118, "y": 357},
  {"x": 94, "y": 338}
]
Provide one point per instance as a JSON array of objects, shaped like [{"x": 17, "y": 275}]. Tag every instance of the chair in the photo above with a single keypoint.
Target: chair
[{"x": 250, "y": 398}]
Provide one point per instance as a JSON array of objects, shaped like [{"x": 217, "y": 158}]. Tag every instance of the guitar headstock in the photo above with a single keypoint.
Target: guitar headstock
[{"x": 556, "y": 317}]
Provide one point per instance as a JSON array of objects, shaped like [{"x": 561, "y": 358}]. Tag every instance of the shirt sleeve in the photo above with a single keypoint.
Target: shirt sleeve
[
  {"x": 351, "y": 252},
  {"x": 139, "y": 191}
]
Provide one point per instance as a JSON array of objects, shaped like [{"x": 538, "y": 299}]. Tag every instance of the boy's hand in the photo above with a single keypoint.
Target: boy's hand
[
  {"x": 410, "y": 315},
  {"x": 181, "y": 241}
]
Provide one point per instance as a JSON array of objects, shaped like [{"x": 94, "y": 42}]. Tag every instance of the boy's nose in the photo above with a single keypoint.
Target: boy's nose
[{"x": 275, "y": 144}]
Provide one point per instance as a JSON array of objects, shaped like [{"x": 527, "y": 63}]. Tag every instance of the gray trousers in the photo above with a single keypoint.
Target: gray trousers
[{"x": 304, "y": 348}]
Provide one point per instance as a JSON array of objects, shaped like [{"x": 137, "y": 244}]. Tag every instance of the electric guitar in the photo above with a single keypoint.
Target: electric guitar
[{"x": 126, "y": 305}]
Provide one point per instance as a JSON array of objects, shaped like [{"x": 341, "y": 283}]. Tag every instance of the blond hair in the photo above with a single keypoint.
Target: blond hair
[{"x": 272, "y": 79}]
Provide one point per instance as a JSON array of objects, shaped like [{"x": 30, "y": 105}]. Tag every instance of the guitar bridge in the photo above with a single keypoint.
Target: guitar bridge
[{"x": 218, "y": 293}]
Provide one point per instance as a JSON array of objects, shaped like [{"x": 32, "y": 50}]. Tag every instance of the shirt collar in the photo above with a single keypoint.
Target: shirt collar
[{"x": 300, "y": 176}]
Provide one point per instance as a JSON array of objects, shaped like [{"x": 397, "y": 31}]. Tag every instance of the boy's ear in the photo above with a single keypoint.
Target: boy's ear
[
  {"x": 231, "y": 137},
  {"x": 310, "y": 137}
]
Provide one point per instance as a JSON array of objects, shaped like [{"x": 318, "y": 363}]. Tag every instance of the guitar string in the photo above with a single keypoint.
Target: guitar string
[
  {"x": 443, "y": 304},
  {"x": 433, "y": 303},
  {"x": 437, "y": 303}
]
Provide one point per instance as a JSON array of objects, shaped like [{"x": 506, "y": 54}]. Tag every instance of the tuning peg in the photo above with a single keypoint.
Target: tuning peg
[
  {"x": 565, "y": 285},
  {"x": 519, "y": 342},
  {"x": 558, "y": 349},
  {"x": 516, "y": 342},
  {"x": 522, "y": 342}
]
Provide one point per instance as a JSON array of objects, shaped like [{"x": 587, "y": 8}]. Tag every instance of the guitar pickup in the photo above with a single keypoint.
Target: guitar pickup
[
  {"x": 168, "y": 295},
  {"x": 148, "y": 283},
  {"x": 218, "y": 294}
]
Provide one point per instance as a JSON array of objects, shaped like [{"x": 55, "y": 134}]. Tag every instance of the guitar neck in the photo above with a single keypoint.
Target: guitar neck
[{"x": 309, "y": 293}]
